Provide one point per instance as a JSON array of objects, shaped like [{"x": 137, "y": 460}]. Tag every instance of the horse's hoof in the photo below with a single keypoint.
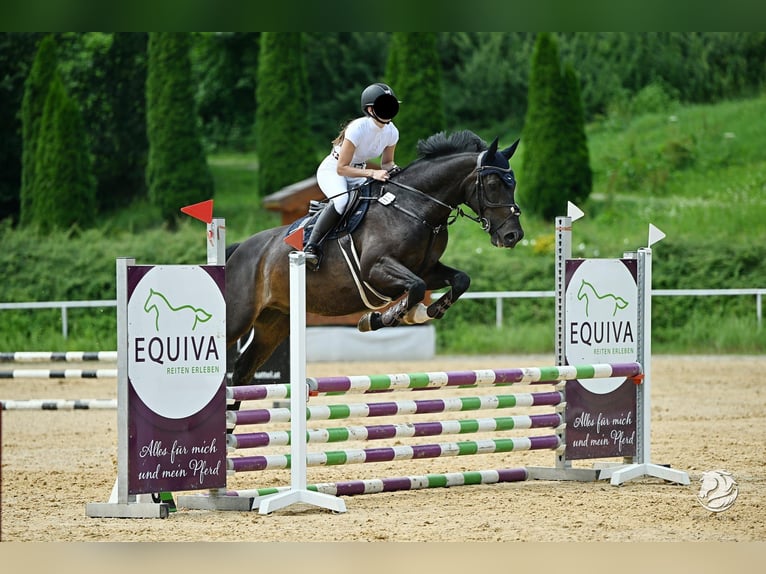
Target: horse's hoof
[
  {"x": 364, "y": 323},
  {"x": 417, "y": 315},
  {"x": 370, "y": 322}
]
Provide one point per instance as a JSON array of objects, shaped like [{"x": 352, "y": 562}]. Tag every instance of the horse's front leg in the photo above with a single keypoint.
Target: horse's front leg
[
  {"x": 415, "y": 290},
  {"x": 441, "y": 276}
]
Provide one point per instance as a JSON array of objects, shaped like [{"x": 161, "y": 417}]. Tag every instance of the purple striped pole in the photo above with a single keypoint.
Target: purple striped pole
[
  {"x": 382, "y": 432},
  {"x": 434, "y": 380},
  {"x": 387, "y": 454},
  {"x": 393, "y": 408},
  {"x": 393, "y": 484},
  {"x": 531, "y": 375}
]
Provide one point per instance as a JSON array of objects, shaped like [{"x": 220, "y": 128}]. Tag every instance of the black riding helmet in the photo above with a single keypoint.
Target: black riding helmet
[{"x": 382, "y": 99}]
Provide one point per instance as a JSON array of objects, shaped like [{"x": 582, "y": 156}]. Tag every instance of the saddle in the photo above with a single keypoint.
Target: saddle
[{"x": 352, "y": 218}]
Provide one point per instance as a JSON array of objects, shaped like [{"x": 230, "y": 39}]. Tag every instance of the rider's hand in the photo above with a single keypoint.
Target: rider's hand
[{"x": 379, "y": 174}]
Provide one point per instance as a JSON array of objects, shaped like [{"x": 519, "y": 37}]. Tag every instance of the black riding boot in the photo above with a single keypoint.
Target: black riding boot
[{"x": 324, "y": 223}]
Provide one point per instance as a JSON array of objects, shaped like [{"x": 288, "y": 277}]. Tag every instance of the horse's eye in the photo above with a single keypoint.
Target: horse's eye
[{"x": 498, "y": 193}]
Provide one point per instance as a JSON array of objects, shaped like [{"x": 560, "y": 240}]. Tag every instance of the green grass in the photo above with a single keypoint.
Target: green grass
[
  {"x": 698, "y": 171},
  {"x": 236, "y": 198}
]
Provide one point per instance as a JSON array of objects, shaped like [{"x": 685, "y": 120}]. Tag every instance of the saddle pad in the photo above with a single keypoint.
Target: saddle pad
[{"x": 350, "y": 221}]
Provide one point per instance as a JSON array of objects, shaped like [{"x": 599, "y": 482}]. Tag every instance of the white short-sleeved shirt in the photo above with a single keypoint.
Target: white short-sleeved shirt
[
  {"x": 369, "y": 139},
  {"x": 369, "y": 142}
]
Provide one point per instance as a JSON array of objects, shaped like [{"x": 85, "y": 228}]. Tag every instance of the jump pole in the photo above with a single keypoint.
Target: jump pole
[
  {"x": 59, "y": 374},
  {"x": 58, "y": 356},
  {"x": 298, "y": 491}
]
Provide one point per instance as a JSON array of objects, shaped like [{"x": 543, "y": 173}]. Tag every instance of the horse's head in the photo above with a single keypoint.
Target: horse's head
[
  {"x": 492, "y": 196},
  {"x": 149, "y": 303}
]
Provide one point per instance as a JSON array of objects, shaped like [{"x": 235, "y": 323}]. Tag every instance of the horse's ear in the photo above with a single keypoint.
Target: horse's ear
[
  {"x": 489, "y": 156},
  {"x": 492, "y": 148},
  {"x": 510, "y": 150}
]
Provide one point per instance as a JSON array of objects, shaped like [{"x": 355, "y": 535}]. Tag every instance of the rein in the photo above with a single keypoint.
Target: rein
[
  {"x": 389, "y": 199},
  {"x": 505, "y": 174}
]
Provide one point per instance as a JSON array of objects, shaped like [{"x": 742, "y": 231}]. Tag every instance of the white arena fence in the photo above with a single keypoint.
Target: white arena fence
[{"x": 498, "y": 296}]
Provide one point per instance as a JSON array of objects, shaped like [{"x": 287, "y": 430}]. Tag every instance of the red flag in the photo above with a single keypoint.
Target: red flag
[
  {"x": 295, "y": 239},
  {"x": 202, "y": 210}
]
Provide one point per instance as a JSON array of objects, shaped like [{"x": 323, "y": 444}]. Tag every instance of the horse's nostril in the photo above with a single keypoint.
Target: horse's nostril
[{"x": 513, "y": 238}]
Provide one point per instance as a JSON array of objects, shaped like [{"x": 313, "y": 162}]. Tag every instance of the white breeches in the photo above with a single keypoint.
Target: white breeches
[{"x": 334, "y": 186}]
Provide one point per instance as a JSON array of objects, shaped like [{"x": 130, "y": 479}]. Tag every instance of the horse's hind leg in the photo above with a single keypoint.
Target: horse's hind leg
[
  {"x": 244, "y": 366},
  {"x": 269, "y": 332}
]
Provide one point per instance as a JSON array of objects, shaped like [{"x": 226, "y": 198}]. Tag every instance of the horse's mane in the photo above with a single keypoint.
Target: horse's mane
[{"x": 441, "y": 144}]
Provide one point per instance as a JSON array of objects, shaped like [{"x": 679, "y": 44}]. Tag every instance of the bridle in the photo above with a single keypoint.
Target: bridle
[{"x": 505, "y": 174}]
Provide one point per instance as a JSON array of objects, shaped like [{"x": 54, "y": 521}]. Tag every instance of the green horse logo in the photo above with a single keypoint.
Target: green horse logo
[
  {"x": 609, "y": 302},
  {"x": 158, "y": 304}
]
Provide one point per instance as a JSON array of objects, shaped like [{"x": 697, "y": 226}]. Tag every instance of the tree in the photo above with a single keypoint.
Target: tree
[
  {"x": 35, "y": 95},
  {"x": 555, "y": 164},
  {"x": 225, "y": 66},
  {"x": 340, "y": 65},
  {"x": 577, "y": 172},
  {"x": 177, "y": 170},
  {"x": 17, "y": 52},
  {"x": 283, "y": 139},
  {"x": 485, "y": 77},
  {"x": 120, "y": 147},
  {"x": 106, "y": 74},
  {"x": 64, "y": 191},
  {"x": 414, "y": 73}
]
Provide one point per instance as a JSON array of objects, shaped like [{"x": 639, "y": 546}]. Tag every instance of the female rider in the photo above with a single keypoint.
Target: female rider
[{"x": 346, "y": 166}]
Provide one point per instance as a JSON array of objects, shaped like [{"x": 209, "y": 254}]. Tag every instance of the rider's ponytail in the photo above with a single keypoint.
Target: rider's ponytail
[{"x": 338, "y": 141}]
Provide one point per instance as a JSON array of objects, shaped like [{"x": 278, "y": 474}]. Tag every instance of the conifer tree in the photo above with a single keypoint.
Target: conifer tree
[
  {"x": 177, "y": 170},
  {"x": 578, "y": 174},
  {"x": 17, "y": 54},
  {"x": 413, "y": 72},
  {"x": 283, "y": 137},
  {"x": 35, "y": 94},
  {"x": 64, "y": 191},
  {"x": 120, "y": 144},
  {"x": 555, "y": 164}
]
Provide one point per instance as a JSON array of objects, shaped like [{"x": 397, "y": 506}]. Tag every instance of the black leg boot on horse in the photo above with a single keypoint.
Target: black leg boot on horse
[{"x": 327, "y": 219}]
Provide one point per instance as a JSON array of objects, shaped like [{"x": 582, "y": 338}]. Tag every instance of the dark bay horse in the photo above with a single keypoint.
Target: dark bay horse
[{"x": 393, "y": 255}]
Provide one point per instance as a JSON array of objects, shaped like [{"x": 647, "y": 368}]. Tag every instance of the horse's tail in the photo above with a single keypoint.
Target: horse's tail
[{"x": 231, "y": 249}]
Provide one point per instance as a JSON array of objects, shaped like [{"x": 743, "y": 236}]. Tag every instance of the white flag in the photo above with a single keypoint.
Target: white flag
[
  {"x": 573, "y": 211},
  {"x": 655, "y": 235}
]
